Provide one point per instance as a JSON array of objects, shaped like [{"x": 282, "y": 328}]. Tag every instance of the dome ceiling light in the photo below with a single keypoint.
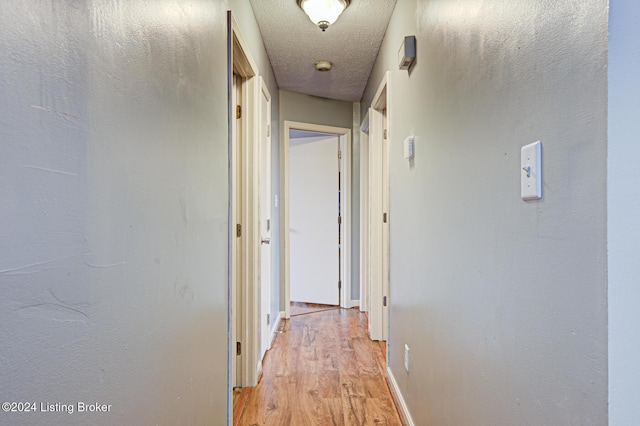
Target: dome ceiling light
[{"x": 323, "y": 12}]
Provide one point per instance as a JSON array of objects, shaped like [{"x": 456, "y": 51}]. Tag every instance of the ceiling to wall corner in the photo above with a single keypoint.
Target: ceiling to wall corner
[{"x": 294, "y": 44}]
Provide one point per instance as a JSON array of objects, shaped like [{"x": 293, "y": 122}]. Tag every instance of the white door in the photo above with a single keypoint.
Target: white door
[
  {"x": 375, "y": 221},
  {"x": 265, "y": 217},
  {"x": 313, "y": 194},
  {"x": 236, "y": 333},
  {"x": 386, "y": 218}
]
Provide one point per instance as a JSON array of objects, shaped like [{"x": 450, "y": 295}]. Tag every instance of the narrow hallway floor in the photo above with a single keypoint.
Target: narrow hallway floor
[
  {"x": 322, "y": 370},
  {"x": 303, "y": 308}
]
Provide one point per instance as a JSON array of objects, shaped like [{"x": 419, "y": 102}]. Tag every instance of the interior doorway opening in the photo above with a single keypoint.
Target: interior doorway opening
[
  {"x": 315, "y": 217},
  {"x": 299, "y": 154},
  {"x": 375, "y": 213},
  {"x": 249, "y": 110}
]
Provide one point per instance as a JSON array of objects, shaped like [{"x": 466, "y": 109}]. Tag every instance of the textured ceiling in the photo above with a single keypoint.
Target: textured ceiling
[{"x": 294, "y": 44}]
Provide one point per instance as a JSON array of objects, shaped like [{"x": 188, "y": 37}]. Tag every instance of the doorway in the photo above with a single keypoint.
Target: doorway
[
  {"x": 339, "y": 278},
  {"x": 375, "y": 214},
  {"x": 249, "y": 213},
  {"x": 314, "y": 200}
]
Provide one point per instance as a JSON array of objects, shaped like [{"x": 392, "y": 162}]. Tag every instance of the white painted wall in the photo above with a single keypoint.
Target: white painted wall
[
  {"x": 623, "y": 196},
  {"x": 113, "y": 226},
  {"x": 503, "y": 303},
  {"x": 313, "y": 192},
  {"x": 329, "y": 112}
]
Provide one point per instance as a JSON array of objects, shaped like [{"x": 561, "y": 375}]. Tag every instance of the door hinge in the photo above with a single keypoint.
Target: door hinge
[
  {"x": 384, "y": 217},
  {"x": 238, "y": 348},
  {"x": 268, "y": 319},
  {"x": 339, "y": 155},
  {"x": 268, "y": 224},
  {"x": 238, "y": 230},
  {"x": 385, "y": 133},
  {"x": 384, "y": 301},
  {"x": 268, "y": 130},
  {"x": 238, "y": 111},
  {"x": 339, "y": 285},
  {"x": 339, "y": 220}
]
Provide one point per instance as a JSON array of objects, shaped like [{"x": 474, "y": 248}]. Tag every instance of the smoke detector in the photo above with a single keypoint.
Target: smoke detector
[{"x": 323, "y": 65}]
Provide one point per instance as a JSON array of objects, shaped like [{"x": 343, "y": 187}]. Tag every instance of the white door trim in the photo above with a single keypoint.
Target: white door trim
[
  {"x": 378, "y": 260},
  {"x": 345, "y": 184}
]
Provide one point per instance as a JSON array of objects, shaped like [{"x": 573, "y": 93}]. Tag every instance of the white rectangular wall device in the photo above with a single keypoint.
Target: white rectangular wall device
[
  {"x": 531, "y": 171},
  {"x": 409, "y": 147}
]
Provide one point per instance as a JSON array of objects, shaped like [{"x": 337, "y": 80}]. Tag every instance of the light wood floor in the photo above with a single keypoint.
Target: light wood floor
[
  {"x": 322, "y": 370},
  {"x": 303, "y": 308}
]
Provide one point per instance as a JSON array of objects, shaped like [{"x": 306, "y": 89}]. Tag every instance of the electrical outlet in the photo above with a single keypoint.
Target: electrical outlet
[{"x": 406, "y": 357}]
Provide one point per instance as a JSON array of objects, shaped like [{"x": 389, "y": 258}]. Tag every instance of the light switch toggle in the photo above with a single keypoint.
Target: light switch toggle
[{"x": 531, "y": 164}]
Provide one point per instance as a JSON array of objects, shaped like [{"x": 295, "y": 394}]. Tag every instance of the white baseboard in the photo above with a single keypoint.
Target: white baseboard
[
  {"x": 404, "y": 410},
  {"x": 355, "y": 302}
]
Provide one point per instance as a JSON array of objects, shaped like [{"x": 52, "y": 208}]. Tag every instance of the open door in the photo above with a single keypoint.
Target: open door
[
  {"x": 365, "y": 228},
  {"x": 378, "y": 221},
  {"x": 341, "y": 280},
  {"x": 314, "y": 199},
  {"x": 264, "y": 140},
  {"x": 236, "y": 242}
]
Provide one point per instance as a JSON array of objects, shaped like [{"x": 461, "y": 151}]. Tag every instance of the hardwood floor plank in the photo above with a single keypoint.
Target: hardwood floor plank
[
  {"x": 330, "y": 413},
  {"x": 329, "y": 384},
  {"x": 365, "y": 358},
  {"x": 379, "y": 412},
  {"x": 354, "y": 408},
  {"x": 240, "y": 397}
]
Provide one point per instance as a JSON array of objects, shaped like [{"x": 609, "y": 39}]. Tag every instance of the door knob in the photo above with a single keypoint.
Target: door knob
[{"x": 265, "y": 240}]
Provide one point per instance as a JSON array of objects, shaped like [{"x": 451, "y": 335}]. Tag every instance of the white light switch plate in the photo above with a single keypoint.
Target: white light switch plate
[
  {"x": 409, "y": 147},
  {"x": 531, "y": 171}
]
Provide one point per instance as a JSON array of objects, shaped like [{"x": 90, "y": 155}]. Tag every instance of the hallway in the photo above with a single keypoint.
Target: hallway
[
  {"x": 322, "y": 370},
  {"x": 142, "y": 249}
]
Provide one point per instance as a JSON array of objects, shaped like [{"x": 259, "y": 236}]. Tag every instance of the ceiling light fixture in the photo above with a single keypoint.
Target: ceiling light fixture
[{"x": 323, "y": 12}]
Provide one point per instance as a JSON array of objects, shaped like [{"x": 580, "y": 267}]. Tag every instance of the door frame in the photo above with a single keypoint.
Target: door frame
[
  {"x": 344, "y": 135},
  {"x": 244, "y": 262},
  {"x": 375, "y": 261}
]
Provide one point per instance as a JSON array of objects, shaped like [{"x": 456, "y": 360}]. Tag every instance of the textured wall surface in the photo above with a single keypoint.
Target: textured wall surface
[
  {"x": 315, "y": 110},
  {"x": 113, "y": 226},
  {"x": 623, "y": 196},
  {"x": 502, "y": 302}
]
